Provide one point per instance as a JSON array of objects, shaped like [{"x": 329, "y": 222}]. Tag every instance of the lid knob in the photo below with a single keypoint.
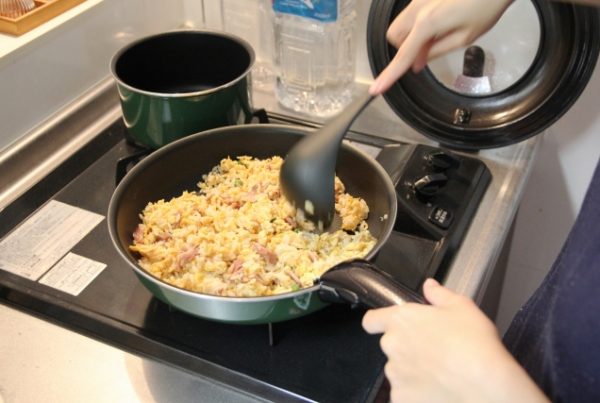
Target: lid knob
[{"x": 473, "y": 62}]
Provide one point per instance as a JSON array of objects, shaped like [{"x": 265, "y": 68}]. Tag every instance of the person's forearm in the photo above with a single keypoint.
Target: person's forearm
[{"x": 510, "y": 382}]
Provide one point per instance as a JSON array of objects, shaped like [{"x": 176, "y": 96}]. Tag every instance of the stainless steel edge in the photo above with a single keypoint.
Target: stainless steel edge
[
  {"x": 34, "y": 155},
  {"x": 476, "y": 259}
]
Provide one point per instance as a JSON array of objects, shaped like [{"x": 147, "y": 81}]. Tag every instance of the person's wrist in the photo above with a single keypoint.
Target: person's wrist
[{"x": 507, "y": 381}]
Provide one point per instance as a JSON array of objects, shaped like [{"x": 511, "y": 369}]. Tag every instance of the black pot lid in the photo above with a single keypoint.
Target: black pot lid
[{"x": 559, "y": 71}]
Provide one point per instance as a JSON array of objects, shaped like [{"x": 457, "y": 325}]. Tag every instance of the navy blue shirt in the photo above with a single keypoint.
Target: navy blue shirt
[{"x": 556, "y": 335}]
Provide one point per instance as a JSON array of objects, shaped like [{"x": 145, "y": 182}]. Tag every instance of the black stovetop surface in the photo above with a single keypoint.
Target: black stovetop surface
[{"x": 325, "y": 357}]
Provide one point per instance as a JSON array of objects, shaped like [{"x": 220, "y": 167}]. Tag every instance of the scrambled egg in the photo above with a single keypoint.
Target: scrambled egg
[{"x": 239, "y": 236}]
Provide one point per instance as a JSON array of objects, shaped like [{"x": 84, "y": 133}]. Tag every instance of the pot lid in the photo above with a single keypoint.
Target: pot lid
[{"x": 513, "y": 83}]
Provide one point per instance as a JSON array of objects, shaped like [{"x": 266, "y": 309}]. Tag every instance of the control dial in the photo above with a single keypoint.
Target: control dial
[
  {"x": 441, "y": 161},
  {"x": 428, "y": 185}
]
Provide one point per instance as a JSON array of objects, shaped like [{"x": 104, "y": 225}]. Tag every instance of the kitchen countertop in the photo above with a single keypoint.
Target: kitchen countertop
[
  {"x": 43, "y": 359},
  {"x": 12, "y": 43}
]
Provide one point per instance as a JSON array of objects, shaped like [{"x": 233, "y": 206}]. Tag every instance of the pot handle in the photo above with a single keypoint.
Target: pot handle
[{"x": 360, "y": 282}]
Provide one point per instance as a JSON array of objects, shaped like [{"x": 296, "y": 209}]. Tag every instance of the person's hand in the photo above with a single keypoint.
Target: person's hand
[
  {"x": 426, "y": 29},
  {"x": 448, "y": 351}
]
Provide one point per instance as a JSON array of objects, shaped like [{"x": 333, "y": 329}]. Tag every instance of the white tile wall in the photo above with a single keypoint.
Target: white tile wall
[{"x": 53, "y": 69}]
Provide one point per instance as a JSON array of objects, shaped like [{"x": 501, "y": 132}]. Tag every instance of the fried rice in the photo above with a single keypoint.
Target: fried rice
[{"x": 237, "y": 235}]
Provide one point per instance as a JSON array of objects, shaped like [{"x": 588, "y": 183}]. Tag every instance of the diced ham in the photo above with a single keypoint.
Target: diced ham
[
  {"x": 187, "y": 255},
  {"x": 235, "y": 266},
  {"x": 250, "y": 197},
  {"x": 138, "y": 234},
  {"x": 269, "y": 256},
  {"x": 294, "y": 277},
  {"x": 163, "y": 236},
  {"x": 274, "y": 194},
  {"x": 234, "y": 203}
]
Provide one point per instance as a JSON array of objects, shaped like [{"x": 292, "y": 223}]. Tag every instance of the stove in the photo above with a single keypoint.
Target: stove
[{"x": 325, "y": 356}]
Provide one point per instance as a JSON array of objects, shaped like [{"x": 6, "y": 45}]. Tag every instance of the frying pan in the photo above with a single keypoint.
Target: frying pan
[{"x": 179, "y": 166}]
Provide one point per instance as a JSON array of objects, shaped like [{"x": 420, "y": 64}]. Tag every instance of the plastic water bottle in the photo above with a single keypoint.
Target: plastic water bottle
[
  {"x": 315, "y": 49},
  {"x": 252, "y": 20}
]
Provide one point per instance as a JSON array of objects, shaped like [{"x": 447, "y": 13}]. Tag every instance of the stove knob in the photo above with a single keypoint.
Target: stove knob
[
  {"x": 441, "y": 161},
  {"x": 428, "y": 185}
]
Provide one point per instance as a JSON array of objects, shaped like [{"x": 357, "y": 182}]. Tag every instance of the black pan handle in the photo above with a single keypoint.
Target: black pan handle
[{"x": 360, "y": 282}]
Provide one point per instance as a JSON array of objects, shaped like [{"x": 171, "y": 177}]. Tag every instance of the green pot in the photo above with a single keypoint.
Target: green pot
[{"x": 178, "y": 83}]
